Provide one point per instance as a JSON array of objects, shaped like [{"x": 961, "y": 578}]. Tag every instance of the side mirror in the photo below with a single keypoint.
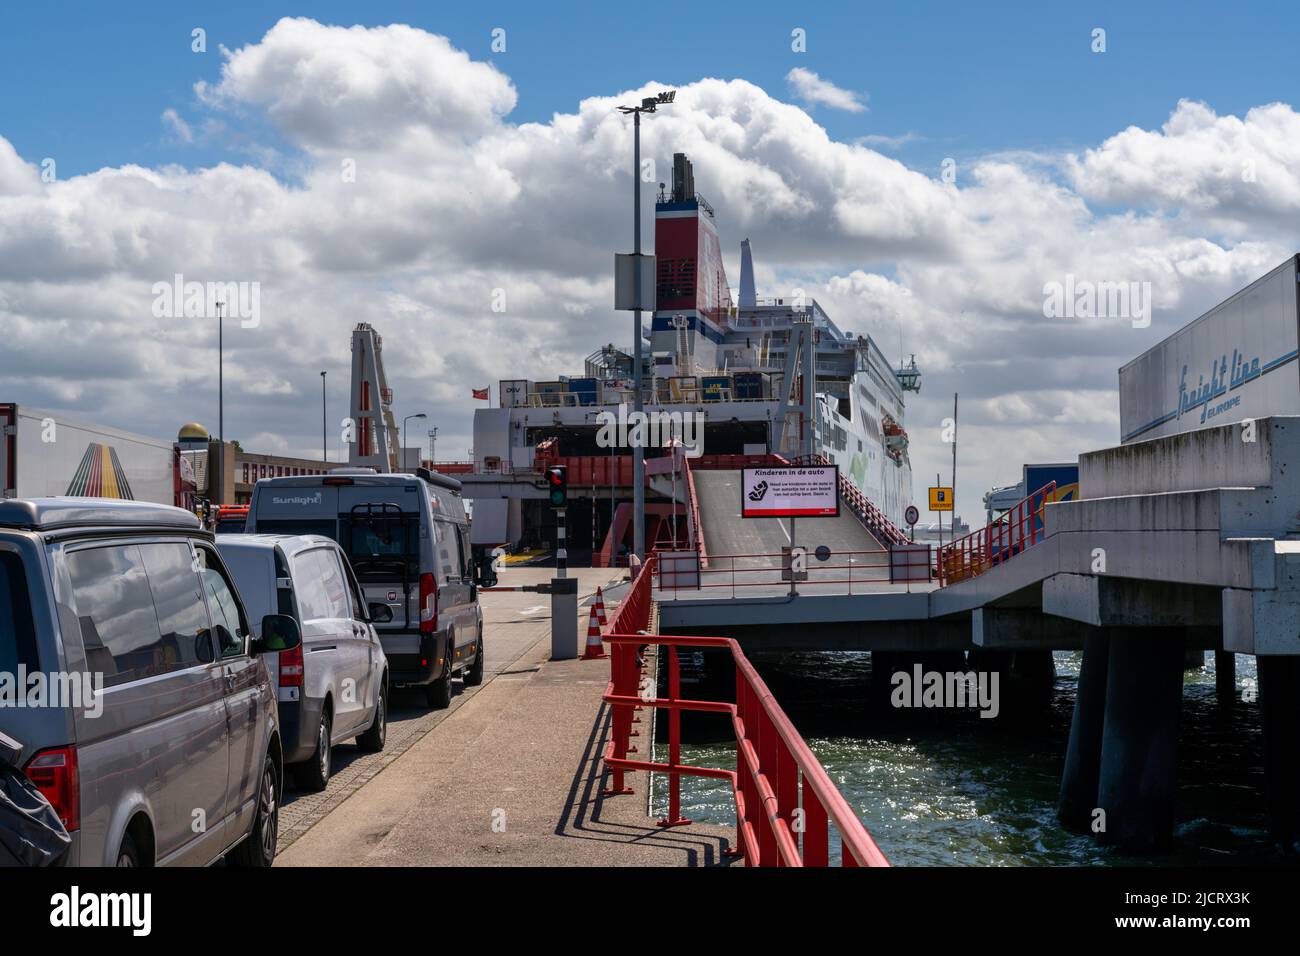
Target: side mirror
[
  {"x": 487, "y": 575},
  {"x": 203, "y": 649},
  {"x": 279, "y": 633},
  {"x": 380, "y": 614}
]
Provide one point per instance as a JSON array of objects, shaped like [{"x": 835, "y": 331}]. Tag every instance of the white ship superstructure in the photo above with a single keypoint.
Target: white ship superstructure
[{"x": 705, "y": 355}]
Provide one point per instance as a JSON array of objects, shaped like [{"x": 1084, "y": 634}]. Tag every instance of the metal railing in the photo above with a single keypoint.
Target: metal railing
[
  {"x": 843, "y": 572},
  {"x": 694, "y": 526},
  {"x": 1018, "y": 528},
  {"x": 785, "y": 801},
  {"x": 735, "y": 462}
]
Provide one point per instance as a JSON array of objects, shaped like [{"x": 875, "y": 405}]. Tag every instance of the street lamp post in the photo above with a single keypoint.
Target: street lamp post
[
  {"x": 648, "y": 105},
  {"x": 324, "y": 430},
  {"x": 221, "y": 392},
  {"x": 404, "y": 421}
]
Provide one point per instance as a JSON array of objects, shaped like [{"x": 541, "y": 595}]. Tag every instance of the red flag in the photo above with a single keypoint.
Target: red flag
[{"x": 482, "y": 393}]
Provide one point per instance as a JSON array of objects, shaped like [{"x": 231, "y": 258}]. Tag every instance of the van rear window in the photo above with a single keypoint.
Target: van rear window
[
  {"x": 17, "y": 631},
  {"x": 382, "y": 547},
  {"x": 325, "y": 526}
]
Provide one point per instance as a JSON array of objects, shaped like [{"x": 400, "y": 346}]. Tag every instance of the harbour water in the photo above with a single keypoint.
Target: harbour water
[{"x": 945, "y": 789}]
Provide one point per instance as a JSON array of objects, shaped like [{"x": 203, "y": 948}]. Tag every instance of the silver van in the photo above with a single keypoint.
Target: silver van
[
  {"x": 334, "y": 685},
  {"x": 407, "y": 539},
  {"x": 131, "y": 677}
]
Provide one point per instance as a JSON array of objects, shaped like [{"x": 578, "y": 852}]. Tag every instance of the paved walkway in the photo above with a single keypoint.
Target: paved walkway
[{"x": 510, "y": 775}]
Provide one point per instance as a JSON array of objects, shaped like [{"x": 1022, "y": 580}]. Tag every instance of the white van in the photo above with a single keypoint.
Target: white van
[
  {"x": 333, "y": 686},
  {"x": 407, "y": 539}
]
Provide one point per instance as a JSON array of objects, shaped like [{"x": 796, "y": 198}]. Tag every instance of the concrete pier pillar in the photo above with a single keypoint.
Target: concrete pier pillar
[
  {"x": 1083, "y": 753},
  {"x": 1139, "y": 747},
  {"x": 882, "y": 665},
  {"x": 1279, "y": 704},
  {"x": 1193, "y": 660},
  {"x": 1033, "y": 675},
  {"x": 1225, "y": 678}
]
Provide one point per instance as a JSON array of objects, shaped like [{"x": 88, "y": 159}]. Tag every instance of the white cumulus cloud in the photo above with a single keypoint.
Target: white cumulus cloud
[
  {"x": 415, "y": 203},
  {"x": 813, "y": 90}
]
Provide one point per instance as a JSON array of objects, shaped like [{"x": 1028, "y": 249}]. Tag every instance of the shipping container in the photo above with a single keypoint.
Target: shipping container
[
  {"x": 748, "y": 386},
  {"x": 1066, "y": 476},
  {"x": 44, "y": 454},
  {"x": 587, "y": 390},
  {"x": 1235, "y": 362},
  {"x": 513, "y": 392},
  {"x": 716, "y": 388},
  {"x": 550, "y": 393},
  {"x": 684, "y": 388}
]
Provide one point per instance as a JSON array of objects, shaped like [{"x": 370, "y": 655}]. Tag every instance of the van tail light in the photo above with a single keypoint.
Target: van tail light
[
  {"x": 54, "y": 772},
  {"x": 428, "y": 604},
  {"x": 291, "y": 667}
]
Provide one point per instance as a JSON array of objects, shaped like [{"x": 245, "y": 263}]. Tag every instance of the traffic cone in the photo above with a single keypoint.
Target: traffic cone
[
  {"x": 595, "y": 649},
  {"x": 599, "y": 608}
]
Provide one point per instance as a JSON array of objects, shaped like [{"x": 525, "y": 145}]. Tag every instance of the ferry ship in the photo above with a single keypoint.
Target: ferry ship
[{"x": 729, "y": 361}]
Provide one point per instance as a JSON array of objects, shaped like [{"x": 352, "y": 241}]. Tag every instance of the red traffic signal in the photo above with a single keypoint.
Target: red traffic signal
[{"x": 557, "y": 485}]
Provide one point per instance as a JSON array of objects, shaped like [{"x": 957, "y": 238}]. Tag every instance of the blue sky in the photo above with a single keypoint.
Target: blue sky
[
  {"x": 88, "y": 84},
  {"x": 1066, "y": 168}
]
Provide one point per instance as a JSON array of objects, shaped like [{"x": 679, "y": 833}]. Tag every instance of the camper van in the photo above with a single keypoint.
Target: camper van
[{"x": 407, "y": 538}]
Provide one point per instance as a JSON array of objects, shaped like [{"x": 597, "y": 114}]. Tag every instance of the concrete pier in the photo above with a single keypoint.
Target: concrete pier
[
  {"x": 1279, "y": 699},
  {"x": 1079, "y": 779},
  {"x": 511, "y": 774},
  {"x": 1139, "y": 750},
  {"x": 1225, "y": 678}
]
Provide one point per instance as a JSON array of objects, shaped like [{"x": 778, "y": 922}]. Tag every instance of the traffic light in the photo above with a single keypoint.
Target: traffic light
[{"x": 557, "y": 485}]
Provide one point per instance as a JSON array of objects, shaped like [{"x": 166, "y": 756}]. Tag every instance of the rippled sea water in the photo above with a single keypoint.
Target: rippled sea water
[{"x": 958, "y": 790}]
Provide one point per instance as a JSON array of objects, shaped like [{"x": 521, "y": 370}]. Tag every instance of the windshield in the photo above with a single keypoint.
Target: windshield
[{"x": 382, "y": 546}]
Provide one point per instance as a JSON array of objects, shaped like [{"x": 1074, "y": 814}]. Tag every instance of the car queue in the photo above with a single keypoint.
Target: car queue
[{"x": 215, "y": 666}]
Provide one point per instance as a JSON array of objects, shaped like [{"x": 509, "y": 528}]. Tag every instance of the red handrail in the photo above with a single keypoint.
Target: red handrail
[
  {"x": 1019, "y": 527},
  {"x": 785, "y": 801},
  {"x": 696, "y": 527}
]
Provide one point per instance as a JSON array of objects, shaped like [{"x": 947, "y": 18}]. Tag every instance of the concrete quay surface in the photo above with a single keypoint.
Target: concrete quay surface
[{"x": 511, "y": 774}]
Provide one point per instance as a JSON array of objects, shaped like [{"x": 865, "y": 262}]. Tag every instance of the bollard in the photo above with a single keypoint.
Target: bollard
[{"x": 564, "y": 619}]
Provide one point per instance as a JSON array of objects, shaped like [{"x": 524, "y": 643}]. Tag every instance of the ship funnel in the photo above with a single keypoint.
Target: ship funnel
[
  {"x": 683, "y": 179},
  {"x": 748, "y": 299}
]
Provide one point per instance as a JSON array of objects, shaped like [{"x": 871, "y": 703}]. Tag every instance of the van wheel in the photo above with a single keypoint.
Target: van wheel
[
  {"x": 129, "y": 854},
  {"x": 438, "y": 694},
  {"x": 474, "y": 676},
  {"x": 372, "y": 741},
  {"x": 314, "y": 774},
  {"x": 258, "y": 849}
]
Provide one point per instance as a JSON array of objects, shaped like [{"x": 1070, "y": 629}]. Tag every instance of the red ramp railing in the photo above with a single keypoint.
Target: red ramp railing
[
  {"x": 785, "y": 801},
  {"x": 1018, "y": 528}
]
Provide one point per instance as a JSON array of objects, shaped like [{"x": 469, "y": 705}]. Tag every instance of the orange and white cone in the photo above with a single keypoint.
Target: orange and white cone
[
  {"x": 595, "y": 649},
  {"x": 599, "y": 608}
]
